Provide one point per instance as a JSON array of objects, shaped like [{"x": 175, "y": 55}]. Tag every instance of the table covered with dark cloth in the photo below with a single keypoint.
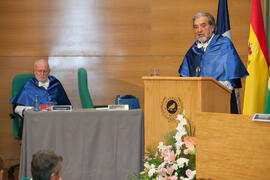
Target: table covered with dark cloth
[{"x": 95, "y": 144}]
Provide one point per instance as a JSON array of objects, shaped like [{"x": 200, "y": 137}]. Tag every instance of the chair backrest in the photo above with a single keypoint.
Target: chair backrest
[
  {"x": 17, "y": 84},
  {"x": 86, "y": 99}
]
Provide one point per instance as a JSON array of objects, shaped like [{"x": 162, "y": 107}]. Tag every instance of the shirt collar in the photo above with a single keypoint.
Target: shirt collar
[
  {"x": 204, "y": 45},
  {"x": 44, "y": 84}
]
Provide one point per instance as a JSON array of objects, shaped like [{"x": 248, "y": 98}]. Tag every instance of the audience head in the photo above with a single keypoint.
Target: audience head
[
  {"x": 1, "y": 168},
  {"x": 41, "y": 70},
  {"x": 46, "y": 165},
  {"x": 204, "y": 26}
]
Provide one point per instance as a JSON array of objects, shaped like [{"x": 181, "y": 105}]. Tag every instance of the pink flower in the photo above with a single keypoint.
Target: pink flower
[
  {"x": 168, "y": 155},
  {"x": 161, "y": 170},
  {"x": 172, "y": 178},
  {"x": 188, "y": 172},
  {"x": 171, "y": 156},
  {"x": 186, "y": 151},
  {"x": 164, "y": 153},
  {"x": 190, "y": 143},
  {"x": 170, "y": 170},
  {"x": 190, "y": 140}
]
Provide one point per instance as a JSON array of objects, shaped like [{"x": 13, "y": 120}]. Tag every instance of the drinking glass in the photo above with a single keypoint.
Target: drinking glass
[
  {"x": 155, "y": 72},
  {"x": 49, "y": 105}
]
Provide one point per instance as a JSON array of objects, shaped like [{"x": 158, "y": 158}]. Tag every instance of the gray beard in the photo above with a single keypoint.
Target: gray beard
[{"x": 204, "y": 39}]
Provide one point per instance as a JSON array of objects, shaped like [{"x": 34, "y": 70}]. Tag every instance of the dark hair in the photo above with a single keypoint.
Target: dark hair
[
  {"x": 44, "y": 163},
  {"x": 1, "y": 164},
  {"x": 211, "y": 19}
]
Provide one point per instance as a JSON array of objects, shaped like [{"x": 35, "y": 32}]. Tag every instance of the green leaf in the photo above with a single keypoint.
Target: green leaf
[{"x": 169, "y": 137}]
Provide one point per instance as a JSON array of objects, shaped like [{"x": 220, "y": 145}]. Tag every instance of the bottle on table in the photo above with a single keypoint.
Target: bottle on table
[
  {"x": 117, "y": 99},
  {"x": 36, "y": 104}
]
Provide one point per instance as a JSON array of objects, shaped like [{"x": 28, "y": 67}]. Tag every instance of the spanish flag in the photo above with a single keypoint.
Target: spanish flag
[{"x": 258, "y": 63}]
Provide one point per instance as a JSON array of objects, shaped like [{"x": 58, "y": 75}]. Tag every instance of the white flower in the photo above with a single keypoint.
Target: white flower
[
  {"x": 183, "y": 122},
  {"x": 175, "y": 166},
  {"x": 161, "y": 146},
  {"x": 192, "y": 175},
  {"x": 147, "y": 165},
  {"x": 178, "y": 136},
  {"x": 180, "y": 117},
  {"x": 178, "y": 145},
  {"x": 151, "y": 172},
  {"x": 180, "y": 128},
  {"x": 181, "y": 162}
]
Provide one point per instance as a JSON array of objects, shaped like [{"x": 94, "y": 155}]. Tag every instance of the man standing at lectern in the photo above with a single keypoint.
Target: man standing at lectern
[{"x": 213, "y": 56}]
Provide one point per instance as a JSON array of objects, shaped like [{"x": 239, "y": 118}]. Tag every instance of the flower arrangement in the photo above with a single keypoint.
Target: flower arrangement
[{"x": 173, "y": 161}]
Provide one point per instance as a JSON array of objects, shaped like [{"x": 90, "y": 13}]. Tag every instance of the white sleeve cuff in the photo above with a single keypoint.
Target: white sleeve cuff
[
  {"x": 227, "y": 84},
  {"x": 19, "y": 109}
]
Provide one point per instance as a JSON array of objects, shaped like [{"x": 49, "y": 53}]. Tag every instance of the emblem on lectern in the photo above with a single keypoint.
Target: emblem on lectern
[{"x": 171, "y": 107}]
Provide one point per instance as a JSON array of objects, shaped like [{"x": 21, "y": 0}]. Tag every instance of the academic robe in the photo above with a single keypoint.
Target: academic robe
[
  {"x": 55, "y": 93},
  {"x": 220, "y": 61}
]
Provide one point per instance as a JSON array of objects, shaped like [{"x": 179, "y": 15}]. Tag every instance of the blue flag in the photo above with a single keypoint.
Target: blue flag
[
  {"x": 223, "y": 28},
  {"x": 223, "y": 21}
]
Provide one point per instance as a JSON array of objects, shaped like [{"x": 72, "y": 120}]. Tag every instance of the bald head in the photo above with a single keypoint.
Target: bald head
[{"x": 41, "y": 70}]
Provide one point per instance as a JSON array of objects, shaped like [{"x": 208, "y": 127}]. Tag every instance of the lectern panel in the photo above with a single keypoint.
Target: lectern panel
[{"x": 166, "y": 97}]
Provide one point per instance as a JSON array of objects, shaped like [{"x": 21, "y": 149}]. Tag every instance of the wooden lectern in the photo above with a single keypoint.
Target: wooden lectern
[{"x": 166, "y": 97}]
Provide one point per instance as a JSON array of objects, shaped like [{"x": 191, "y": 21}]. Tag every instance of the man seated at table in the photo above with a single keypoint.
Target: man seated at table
[
  {"x": 46, "y": 165},
  {"x": 45, "y": 86}
]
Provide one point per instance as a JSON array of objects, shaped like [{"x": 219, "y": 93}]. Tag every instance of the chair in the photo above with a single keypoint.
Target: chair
[
  {"x": 17, "y": 83},
  {"x": 86, "y": 99},
  {"x": 85, "y": 96}
]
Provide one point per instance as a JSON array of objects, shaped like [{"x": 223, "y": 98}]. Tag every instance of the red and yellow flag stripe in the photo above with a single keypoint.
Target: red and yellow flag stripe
[{"x": 256, "y": 82}]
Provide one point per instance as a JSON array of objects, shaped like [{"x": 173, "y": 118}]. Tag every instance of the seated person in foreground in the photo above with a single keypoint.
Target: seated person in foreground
[
  {"x": 46, "y": 165},
  {"x": 213, "y": 56},
  {"x": 45, "y": 86},
  {"x": 1, "y": 169}
]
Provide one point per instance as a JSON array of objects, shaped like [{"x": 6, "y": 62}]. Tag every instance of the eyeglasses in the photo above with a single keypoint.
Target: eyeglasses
[{"x": 42, "y": 71}]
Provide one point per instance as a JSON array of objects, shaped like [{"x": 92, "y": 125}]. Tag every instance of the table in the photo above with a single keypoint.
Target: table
[{"x": 95, "y": 144}]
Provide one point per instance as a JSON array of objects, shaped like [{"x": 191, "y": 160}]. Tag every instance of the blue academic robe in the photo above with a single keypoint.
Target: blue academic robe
[
  {"x": 55, "y": 93},
  {"x": 220, "y": 61}
]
